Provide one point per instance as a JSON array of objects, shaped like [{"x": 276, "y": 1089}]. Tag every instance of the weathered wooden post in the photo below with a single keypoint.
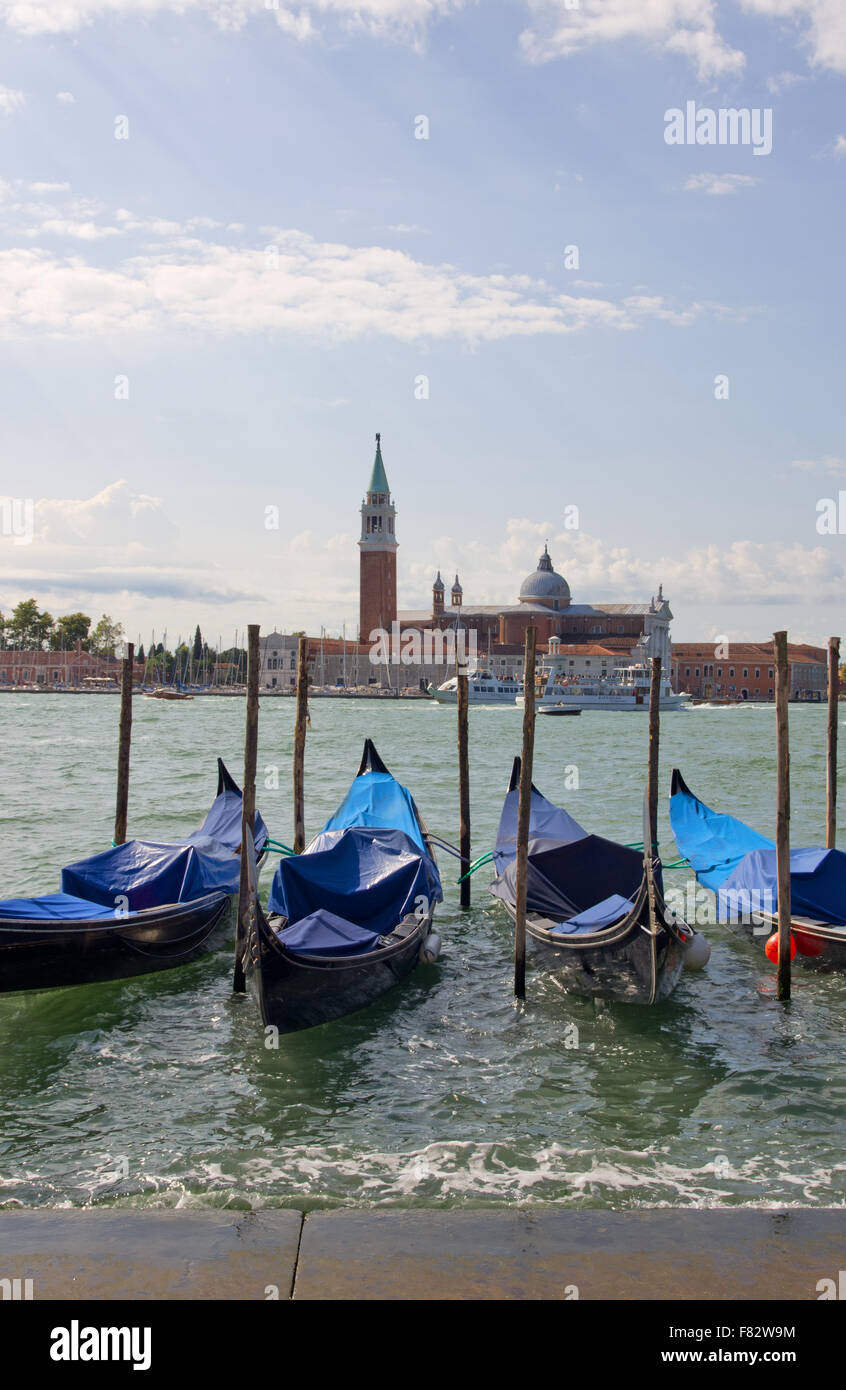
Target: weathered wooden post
[
  {"x": 124, "y": 740},
  {"x": 523, "y": 813},
  {"x": 463, "y": 702},
  {"x": 299, "y": 745},
  {"x": 831, "y": 766},
  {"x": 782, "y": 695},
  {"x": 654, "y": 740},
  {"x": 248, "y": 803}
]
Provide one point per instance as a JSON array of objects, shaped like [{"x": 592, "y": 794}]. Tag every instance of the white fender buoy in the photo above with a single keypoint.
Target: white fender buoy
[
  {"x": 431, "y": 949},
  {"x": 697, "y": 952}
]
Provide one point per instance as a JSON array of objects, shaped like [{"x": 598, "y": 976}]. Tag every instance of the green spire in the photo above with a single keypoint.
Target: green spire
[{"x": 378, "y": 480}]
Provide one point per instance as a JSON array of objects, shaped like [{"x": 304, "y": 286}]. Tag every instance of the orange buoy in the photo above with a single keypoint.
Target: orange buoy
[
  {"x": 808, "y": 945},
  {"x": 771, "y": 947}
]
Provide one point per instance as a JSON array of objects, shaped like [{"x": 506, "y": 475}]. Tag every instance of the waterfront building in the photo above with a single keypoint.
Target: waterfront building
[{"x": 745, "y": 671}]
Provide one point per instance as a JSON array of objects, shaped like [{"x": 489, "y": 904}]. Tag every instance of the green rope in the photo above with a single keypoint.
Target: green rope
[
  {"x": 483, "y": 859},
  {"x": 677, "y": 864},
  {"x": 277, "y": 844}
]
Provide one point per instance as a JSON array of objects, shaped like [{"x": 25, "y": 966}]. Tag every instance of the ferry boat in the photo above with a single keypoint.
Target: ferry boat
[
  {"x": 626, "y": 688},
  {"x": 483, "y": 688}
]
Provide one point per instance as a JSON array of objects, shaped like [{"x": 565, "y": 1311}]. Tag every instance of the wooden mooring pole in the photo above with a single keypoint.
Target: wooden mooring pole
[
  {"x": 831, "y": 764},
  {"x": 654, "y": 740},
  {"x": 782, "y": 695},
  {"x": 523, "y": 813},
  {"x": 463, "y": 703},
  {"x": 124, "y": 741},
  {"x": 299, "y": 745},
  {"x": 248, "y": 803}
]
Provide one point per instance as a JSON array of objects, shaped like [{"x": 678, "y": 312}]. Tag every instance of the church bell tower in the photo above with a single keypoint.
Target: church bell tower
[{"x": 378, "y": 549}]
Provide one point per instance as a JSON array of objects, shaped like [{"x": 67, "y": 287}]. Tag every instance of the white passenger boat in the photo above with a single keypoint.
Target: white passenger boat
[
  {"x": 483, "y": 689},
  {"x": 626, "y": 688}
]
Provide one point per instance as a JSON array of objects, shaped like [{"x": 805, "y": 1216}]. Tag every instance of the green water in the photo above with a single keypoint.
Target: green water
[{"x": 161, "y": 1091}]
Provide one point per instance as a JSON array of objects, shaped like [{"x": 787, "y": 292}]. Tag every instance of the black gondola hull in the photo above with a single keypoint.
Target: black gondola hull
[
  {"x": 629, "y": 963},
  {"x": 292, "y": 992},
  {"x": 51, "y": 956}
]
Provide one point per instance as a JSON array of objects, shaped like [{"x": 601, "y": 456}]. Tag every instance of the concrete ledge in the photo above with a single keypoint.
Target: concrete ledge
[
  {"x": 542, "y": 1253},
  {"x": 521, "y": 1253},
  {"x": 136, "y": 1254}
]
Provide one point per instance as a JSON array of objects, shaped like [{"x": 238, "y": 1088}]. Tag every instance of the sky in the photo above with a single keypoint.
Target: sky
[{"x": 237, "y": 238}]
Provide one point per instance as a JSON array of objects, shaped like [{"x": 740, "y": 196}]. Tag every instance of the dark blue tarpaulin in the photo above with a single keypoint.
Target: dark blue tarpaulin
[
  {"x": 566, "y": 879},
  {"x": 144, "y": 873},
  {"x": 369, "y": 877},
  {"x": 817, "y": 885},
  {"x": 324, "y": 934}
]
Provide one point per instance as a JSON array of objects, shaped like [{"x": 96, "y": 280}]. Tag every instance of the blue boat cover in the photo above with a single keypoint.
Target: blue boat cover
[
  {"x": 377, "y": 799},
  {"x": 324, "y": 934},
  {"x": 739, "y": 865},
  {"x": 604, "y": 914},
  {"x": 547, "y": 823},
  {"x": 142, "y": 873},
  {"x": 368, "y": 877},
  {"x": 55, "y": 907},
  {"x": 564, "y": 880},
  {"x": 367, "y": 869},
  {"x": 713, "y": 844}
]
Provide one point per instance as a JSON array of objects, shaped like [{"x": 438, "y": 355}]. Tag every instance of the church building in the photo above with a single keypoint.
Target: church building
[{"x": 595, "y": 636}]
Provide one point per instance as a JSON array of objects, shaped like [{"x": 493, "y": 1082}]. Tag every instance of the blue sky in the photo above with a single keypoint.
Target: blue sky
[{"x": 258, "y": 377}]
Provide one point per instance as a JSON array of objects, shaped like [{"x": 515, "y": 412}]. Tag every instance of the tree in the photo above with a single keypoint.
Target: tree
[
  {"x": 73, "y": 628},
  {"x": 140, "y": 657},
  {"x": 198, "y": 645},
  {"x": 106, "y": 636},
  {"x": 28, "y": 629}
]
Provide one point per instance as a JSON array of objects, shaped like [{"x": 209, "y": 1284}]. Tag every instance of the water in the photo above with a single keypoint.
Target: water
[{"x": 160, "y": 1091}]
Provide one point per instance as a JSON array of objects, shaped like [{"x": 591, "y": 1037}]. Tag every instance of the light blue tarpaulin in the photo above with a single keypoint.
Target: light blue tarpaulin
[
  {"x": 713, "y": 844},
  {"x": 610, "y": 910},
  {"x": 739, "y": 865},
  {"x": 377, "y": 799},
  {"x": 548, "y": 825}
]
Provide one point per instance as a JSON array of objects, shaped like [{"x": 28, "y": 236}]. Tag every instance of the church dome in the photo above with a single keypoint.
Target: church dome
[{"x": 545, "y": 585}]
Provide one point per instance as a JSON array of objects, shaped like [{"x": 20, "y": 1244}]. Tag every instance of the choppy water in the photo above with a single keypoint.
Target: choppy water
[{"x": 160, "y": 1090}]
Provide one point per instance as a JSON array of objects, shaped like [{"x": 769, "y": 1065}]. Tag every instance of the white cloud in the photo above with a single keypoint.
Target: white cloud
[
  {"x": 824, "y": 26},
  {"x": 783, "y": 81},
  {"x": 719, "y": 184},
  {"x": 117, "y": 542},
  {"x": 829, "y": 464},
  {"x": 318, "y": 289},
  {"x": 742, "y": 572},
  {"x": 11, "y": 100},
  {"x": 687, "y": 27},
  {"x": 49, "y": 187},
  {"x": 402, "y": 19},
  {"x": 839, "y": 147},
  {"x": 67, "y": 98}
]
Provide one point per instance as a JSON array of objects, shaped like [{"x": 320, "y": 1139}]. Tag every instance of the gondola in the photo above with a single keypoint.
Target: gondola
[
  {"x": 595, "y": 911},
  {"x": 138, "y": 907},
  {"x": 739, "y": 866},
  {"x": 351, "y": 916}
]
